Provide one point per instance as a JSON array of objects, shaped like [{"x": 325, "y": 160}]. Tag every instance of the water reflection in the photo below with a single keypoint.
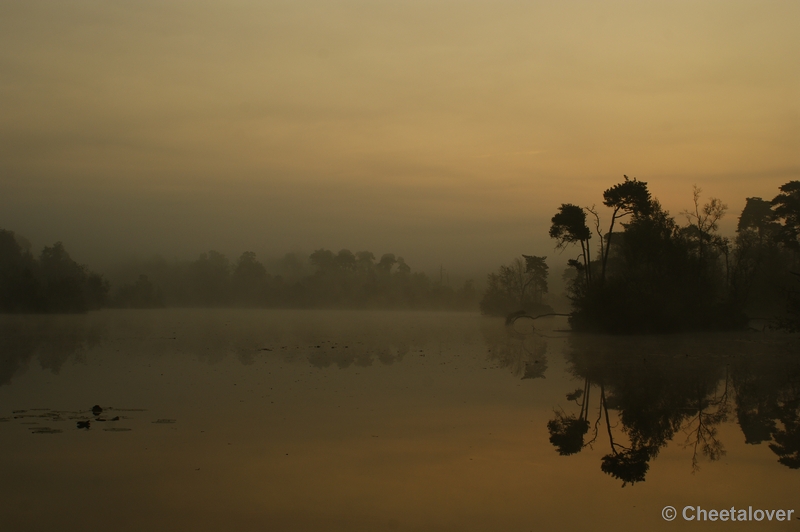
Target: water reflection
[
  {"x": 321, "y": 339},
  {"x": 634, "y": 396},
  {"x": 768, "y": 405},
  {"x": 392, "y": 413},
  {"x": 641, "y": 393},
  {"x": 343, "y": 356},
  {"x": 518, "y": 347},
  {"x": 51, "y": 339}
]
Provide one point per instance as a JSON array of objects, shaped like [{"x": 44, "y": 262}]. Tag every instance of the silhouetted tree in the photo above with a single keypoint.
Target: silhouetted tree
[
  {"x": 388, "y": 260},
  {"x": 365, "y": 261},
  {"x": 209, "y": 279},
  {"x": 54, "y": 283},
  {"x": 758, "y": 216},
  {"x": 249, "y": 279},
  {"x": 759, "y": 262},
  {"x": 323, "y": 260},
  {"x": 568, "y": 227},
  {"x": 517, "y": 286},
  {"x": 63, "y": 280},
  {"x": 345, "y": 260},
  {"x": 402, "y": 267},
  {"x": 68, "y": 286},
  {"x": 704, "y": 221},
  {"x": 19, "y": 287},
  {"x": 140, "y": 294},
  {"x": 786, "y": 206},
  {"x": 537, "y": 271},
  {"x": 631, "y": 197}
]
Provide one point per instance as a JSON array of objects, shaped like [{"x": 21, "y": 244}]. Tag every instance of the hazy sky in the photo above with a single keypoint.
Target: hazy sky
[{"x": 447, "y": 132}]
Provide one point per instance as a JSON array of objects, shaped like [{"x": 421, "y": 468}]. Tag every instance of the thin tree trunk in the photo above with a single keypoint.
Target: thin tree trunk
[
  {"x": 585, "y": 267},
  {"x": 588, "y": 260},
  {"x": 608, "y": 244}
]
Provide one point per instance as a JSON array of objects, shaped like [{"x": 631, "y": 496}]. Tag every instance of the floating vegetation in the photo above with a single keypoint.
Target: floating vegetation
[
  {"x": 45, "y": 430},
  {"x": 83, "y": 419}
]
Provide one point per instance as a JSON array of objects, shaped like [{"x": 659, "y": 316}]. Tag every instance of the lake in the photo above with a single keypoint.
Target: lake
[{"x": 361, "y": 421}]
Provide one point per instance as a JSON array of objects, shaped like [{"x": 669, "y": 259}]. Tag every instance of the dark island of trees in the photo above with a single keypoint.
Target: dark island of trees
[{"x": 648, "y": 273}]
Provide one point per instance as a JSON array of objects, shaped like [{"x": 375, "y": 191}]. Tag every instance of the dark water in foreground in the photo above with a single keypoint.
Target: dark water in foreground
[{"x": 333, "y": 420}]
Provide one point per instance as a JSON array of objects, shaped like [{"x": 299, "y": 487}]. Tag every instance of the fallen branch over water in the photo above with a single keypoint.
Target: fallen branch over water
[{"x": 514, "y": 316}]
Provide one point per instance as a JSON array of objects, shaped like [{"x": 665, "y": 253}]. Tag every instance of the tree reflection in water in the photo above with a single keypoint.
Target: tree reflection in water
[
  {"x": 651, "y": 388},
  {"x": 768, "y": 403},
  {"x": 51, "y": 339},
  {"x": 517, "y": 347}
]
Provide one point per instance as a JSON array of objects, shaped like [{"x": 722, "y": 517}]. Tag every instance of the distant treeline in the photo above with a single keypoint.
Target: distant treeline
[
  {"x": 653, "y": 274},
  {"x": 53, "y": 282},
  {"x": 56, "y": 283},
  {"x": 323, "y": 279}
]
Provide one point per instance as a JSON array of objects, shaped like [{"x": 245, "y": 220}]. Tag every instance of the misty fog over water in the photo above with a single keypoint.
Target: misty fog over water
[{"x": 364, "y": 420}]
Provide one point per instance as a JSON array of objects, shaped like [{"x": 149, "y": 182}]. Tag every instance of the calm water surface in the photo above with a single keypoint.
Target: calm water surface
[{"x": 335, "y": 420}]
